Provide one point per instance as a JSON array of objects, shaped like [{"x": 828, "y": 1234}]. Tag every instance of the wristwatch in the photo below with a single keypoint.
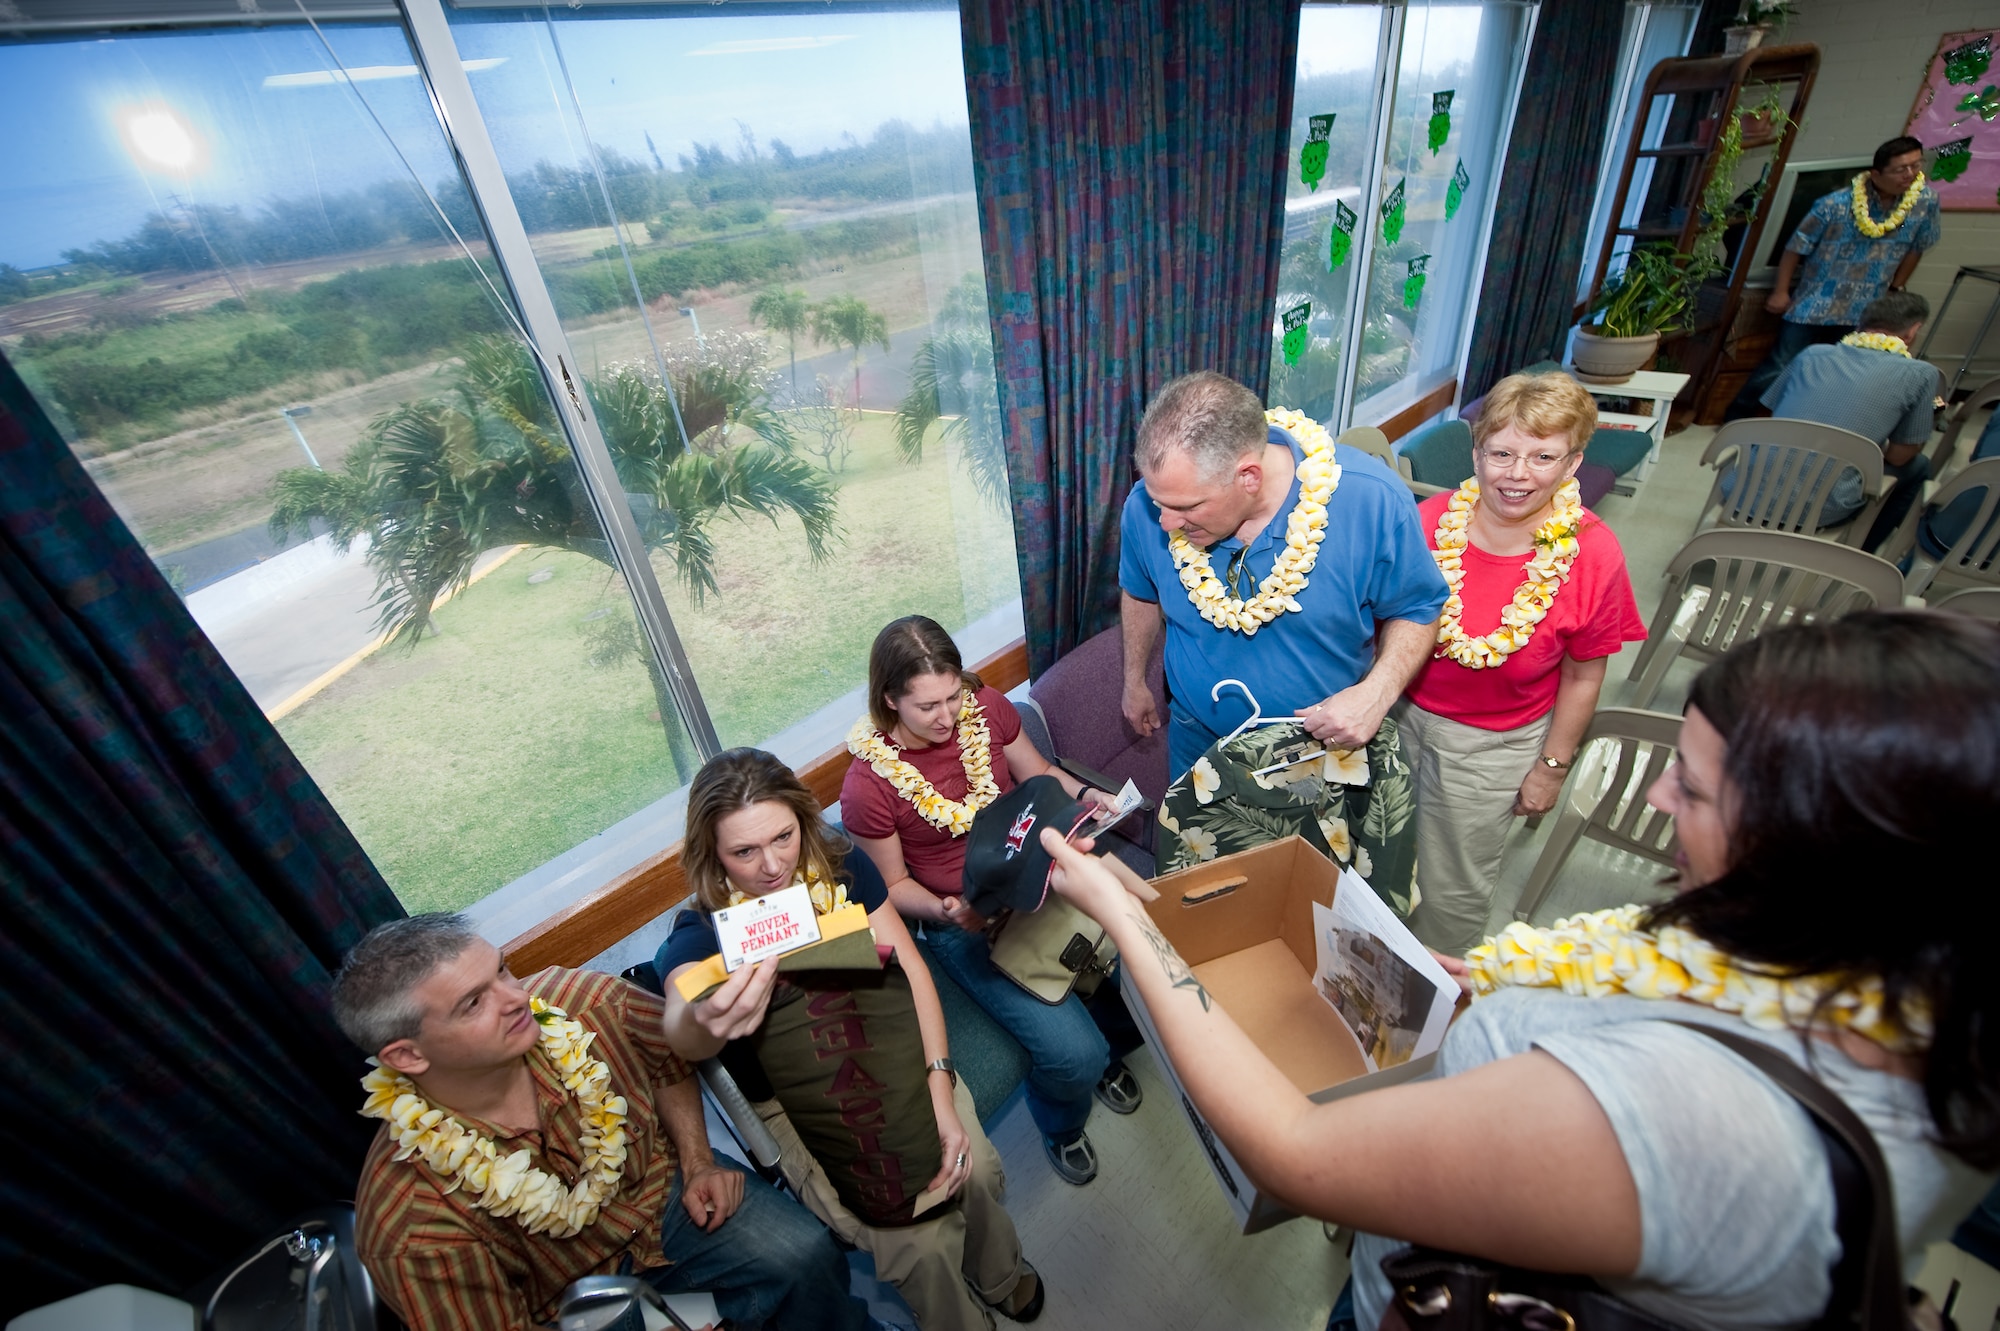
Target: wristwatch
[
  {"x": 1555, "y": 766},
  {"x": 946, "y": 1066}
]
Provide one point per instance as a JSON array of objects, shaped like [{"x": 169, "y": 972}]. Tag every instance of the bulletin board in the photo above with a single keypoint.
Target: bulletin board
[{"x": 1957, "y": 117}]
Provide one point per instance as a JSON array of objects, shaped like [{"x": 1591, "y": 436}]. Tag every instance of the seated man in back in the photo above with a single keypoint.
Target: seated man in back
[
  {"x": 519, "y": 1153},
  {"x": 1868, "y": 383}
]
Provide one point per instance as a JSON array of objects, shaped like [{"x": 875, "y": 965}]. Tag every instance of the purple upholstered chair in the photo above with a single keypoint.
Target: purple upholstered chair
[{"x": 1073, "y": 716}]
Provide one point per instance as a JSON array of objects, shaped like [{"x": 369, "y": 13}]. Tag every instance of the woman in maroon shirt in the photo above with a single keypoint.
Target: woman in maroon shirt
[
  {"x": 936, "y": 747},
  {"x": 1540, "y": 602}
]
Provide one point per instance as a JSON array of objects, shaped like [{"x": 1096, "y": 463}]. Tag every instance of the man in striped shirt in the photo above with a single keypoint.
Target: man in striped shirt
[{"x": 435, "y": 1003}]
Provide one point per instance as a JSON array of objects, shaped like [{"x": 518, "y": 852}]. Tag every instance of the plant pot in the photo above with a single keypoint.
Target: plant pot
[
  {"x": 1743, "y": 37},
  {"x": 1610, "y": 360}
]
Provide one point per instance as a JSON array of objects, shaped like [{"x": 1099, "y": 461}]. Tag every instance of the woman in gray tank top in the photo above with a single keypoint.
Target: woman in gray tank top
[{"x": 1834, "y": 788}]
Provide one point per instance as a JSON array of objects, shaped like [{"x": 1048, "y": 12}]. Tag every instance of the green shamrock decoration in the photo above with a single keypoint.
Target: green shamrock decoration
[
  {"x": 1454, "y": 193},
  {"x": 1964, "y": 64},
  {"x": 1952, "y": 159},
  {"x": 1440, "y": 126},
  {"x": 1312, "y": 157},
  {"x": 1296, "y": 335},
  {"x": 1985, "y": 104},
  {"x": 1344, "y": 219},
  {"x": 1413, "y": 285},
  {"x": 1392, "y": 213}
]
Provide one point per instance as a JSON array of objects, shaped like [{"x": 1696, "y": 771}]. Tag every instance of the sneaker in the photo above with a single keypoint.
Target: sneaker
[
  {"x": 1074, "y": 1161},
  {"x": 1025, "y": 1303},
  {"x": 1118, "y": 1090}
]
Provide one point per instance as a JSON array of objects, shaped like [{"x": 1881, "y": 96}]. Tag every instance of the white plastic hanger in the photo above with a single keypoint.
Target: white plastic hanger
[{"x": 1257, "y": 718}]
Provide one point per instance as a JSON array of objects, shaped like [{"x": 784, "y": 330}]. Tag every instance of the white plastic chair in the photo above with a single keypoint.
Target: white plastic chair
[
  {"x": 1728, "y": 585},
  {"x": 1371, "y": 440},
  {"x": 1979, "y": 602},
  {"x": 1984, "y": 396},
  {"x": 1974, "y": 558},
  {"x": 1785, "y": 484},
  {"x": 1623, "y": 752}
]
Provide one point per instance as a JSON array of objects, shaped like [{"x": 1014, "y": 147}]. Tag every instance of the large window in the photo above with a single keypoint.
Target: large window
[
  {"x": 1334, "y": 130},
  {"x": 244, "y": 272},
  {"x": 1419, "y": 98},
  {"x": 1455, "y": 84}
]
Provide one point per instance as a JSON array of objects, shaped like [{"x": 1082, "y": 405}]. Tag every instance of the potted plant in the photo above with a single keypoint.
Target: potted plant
[
  {"x": 1621, "y": 331},
  {"x": 1754, "y": 21}
]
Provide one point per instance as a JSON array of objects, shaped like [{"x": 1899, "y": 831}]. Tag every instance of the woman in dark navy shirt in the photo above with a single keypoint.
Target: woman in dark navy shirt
[{"x": 876, "y": 1135}]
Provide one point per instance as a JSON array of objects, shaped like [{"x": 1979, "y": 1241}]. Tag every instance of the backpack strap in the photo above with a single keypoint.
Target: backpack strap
[{"x": 1868, "y": 1286}]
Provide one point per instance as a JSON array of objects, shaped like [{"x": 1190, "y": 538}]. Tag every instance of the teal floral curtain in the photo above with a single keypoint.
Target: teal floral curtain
[
  {"x": 177, "y": 893},
  {"x": 1130, "y": 163}
]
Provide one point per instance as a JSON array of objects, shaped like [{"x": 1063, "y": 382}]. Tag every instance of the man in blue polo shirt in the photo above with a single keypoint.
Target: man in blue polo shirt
[{"x": 1344, "y": 645}]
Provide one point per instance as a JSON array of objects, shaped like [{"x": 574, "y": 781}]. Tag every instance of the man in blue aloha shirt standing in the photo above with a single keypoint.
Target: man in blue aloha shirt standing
[{"x": 1839, "y": 267}]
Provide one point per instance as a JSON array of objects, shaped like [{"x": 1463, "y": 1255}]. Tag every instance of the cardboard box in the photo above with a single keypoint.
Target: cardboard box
[{"x": 1245, "y": 924}]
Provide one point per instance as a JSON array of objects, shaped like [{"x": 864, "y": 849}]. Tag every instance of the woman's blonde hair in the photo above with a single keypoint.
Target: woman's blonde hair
[
  {"x": 736, "y": 780},
  {"x": 1539, "y": 405}
]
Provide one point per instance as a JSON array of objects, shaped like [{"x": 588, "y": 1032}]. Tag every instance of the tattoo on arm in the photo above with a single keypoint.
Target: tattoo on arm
[{"x": 1177, "y": 970}]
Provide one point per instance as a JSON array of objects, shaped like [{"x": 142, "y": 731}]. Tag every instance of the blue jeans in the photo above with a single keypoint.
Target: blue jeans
[
  {"x": 1067, "y": 1053},
  {"x": 770, "y": 1262}
]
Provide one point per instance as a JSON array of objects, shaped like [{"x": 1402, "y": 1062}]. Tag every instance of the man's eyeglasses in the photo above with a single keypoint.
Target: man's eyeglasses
[
  {"x": 1541, "y": 461},
  {"x": 1235, "y": 569}
]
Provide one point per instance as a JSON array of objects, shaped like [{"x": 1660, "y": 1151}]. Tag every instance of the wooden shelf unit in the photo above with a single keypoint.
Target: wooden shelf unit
[{"x": 1693, "y": 95}]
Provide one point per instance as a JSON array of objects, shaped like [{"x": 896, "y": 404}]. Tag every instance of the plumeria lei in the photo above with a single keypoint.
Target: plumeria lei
[
  {"x": 1547, "y": 569},
  {"x": 1319, "y": 476},
  {"x": 826, "y": 897},
  {"x": 975, "y": 753},
  {"x": 1888, "y": 342},
  {"x": 1873, "y": 229},
  {"x": 1607, "y": 952},
  {"x": 510, "y": 1185}
]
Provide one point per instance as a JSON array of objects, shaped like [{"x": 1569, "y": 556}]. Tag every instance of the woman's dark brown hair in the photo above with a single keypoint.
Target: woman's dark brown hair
[
  {"x": 1864, "y": 760},
  {"x": 736, "y": 780},
  {"x": 911, "y": 646}
]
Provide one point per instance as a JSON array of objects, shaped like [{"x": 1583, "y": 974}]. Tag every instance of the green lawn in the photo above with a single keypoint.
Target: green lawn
[{"x": 497, "y": 745}]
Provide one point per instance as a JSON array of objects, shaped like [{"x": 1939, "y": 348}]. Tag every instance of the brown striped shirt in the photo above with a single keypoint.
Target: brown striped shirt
[{"x": 443, "y": 1264}]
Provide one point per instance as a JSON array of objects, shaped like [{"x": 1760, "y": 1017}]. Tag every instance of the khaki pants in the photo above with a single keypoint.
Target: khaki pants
[
  {"x": 930, "y": 1263},
  {"x": 1466, "y": 780}
]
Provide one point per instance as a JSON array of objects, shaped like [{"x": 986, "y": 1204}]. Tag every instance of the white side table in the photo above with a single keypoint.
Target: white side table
[{"x": 1656, "y": 386}]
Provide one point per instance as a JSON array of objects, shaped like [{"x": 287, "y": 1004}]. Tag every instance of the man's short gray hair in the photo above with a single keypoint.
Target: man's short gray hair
[
  {"x": 1208, "y": 418},
  {"x": 372, "y": 998},
  {"x": 1893, "y": 311}
]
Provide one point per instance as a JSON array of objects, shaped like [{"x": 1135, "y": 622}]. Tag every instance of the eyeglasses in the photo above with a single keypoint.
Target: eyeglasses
[
  {"x": 1540, "y": 461},
  {"x": 1234, "y": 570}
]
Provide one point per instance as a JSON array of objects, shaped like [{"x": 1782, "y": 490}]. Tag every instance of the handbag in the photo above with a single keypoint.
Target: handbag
[
  {"x": 1443, "y": 1291},
  {"x": 1052, "y": 951}
]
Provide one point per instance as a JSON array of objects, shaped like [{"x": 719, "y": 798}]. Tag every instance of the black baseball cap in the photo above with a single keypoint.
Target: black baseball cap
[{"x": 1005, "y": 865}]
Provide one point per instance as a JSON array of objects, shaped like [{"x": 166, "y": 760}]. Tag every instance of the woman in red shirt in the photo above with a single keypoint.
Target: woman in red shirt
[
  {"x": 935, "y": 748},
  {"x": 1540, "y": 602}
]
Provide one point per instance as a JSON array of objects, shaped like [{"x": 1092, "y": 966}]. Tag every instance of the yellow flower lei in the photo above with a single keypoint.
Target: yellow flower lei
[
  {"x": 1606, "y": 952},
  {"x": 975, "y": 753},
  {"x": 1319, "y": 477},
  {"x": 1878, "y": 342},
  {"x": 1867, "y": 225},
  {"x": 1547, "y": 569},
  {"x": 826, "y": 897},
  {"x": 509, "y": 1186}
]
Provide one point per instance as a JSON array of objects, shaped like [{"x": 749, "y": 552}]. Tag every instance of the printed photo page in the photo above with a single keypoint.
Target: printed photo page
[{"x": 1389, "y": 991}]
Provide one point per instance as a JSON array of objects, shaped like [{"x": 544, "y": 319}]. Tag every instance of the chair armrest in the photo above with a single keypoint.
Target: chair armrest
[{"x": 734, "y": 1106}]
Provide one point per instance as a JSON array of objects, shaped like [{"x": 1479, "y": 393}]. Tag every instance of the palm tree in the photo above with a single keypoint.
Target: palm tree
[
  {"x": 436, "y": 483},
  {"x": 951, "y": 379},
  {"x": 784, "y": 310},
  {"x": 848, "y": 321}
]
